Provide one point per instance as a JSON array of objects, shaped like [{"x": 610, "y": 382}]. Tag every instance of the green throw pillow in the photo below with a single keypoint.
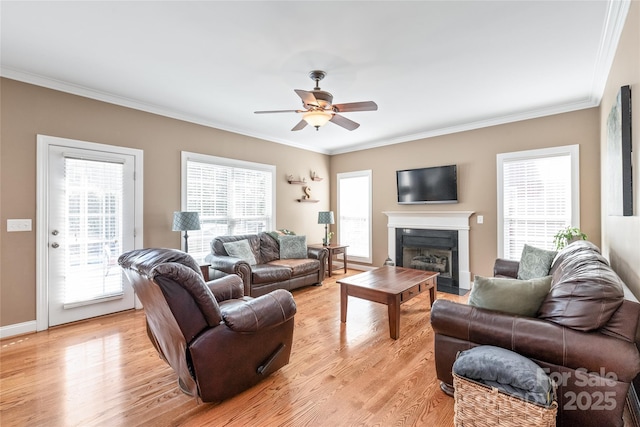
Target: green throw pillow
[
  {"x": 240, "y": 249},
  {"x": 522, "y": 297},
  {"x": 535, "y": 262},
  {"x": 293, "y": 247}
]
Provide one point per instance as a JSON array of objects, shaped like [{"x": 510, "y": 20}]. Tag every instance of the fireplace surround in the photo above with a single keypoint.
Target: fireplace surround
[
  {"x": 433, "y": 223},
  {"x": 431, "y": 250}
]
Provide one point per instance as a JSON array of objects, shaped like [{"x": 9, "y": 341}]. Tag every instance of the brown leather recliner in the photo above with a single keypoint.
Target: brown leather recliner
[
  {"x": 583, "y": 336},
  {"x": 218, "y": 341}
]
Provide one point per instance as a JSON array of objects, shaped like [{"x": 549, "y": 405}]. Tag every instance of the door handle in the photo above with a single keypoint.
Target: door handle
[{"x": 54, "y": 245}]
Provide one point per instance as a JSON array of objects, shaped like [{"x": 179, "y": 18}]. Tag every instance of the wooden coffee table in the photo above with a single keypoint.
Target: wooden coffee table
[{"x": 388, "y": 285}]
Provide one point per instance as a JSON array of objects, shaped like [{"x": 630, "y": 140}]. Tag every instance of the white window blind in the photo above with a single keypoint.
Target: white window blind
[
  {"x": 232, "y": 197},
  {"x": 354, "y": 214},
  {"x": 537, "y": 197},
  {"x": 94, "y": 212}
]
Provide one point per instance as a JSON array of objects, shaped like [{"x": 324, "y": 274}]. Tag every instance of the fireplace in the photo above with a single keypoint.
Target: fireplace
[
  {"x": 433, "y": 240},
  {"x": 432, "y": 250}
]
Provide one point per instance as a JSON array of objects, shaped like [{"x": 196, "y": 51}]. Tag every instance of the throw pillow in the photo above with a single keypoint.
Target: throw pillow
[
  {"x": 535, "y": 262},
  {"x": 506, "y": 370},
  {"x": 293, "y": 247},
  {"x": 521, "y": 297},
  {"x": 240, "y": 249},
  {"x": 282, "y": 232},
  {"x": 274, "y": 234}
]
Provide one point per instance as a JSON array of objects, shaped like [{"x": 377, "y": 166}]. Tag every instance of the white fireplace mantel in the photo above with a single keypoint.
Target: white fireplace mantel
[{"x": 436, "y": 220}]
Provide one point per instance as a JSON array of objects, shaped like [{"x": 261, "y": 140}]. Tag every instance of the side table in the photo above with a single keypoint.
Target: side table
[
  {"x": 204, "y": 268},
  {"x": 334, "y": 250}
]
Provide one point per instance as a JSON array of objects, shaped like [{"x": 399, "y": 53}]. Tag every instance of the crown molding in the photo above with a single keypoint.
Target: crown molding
[
  {"x": 614, "y": 24},
  {"x": 49, "y": 83},
  {"x": 463, "y": 127}
]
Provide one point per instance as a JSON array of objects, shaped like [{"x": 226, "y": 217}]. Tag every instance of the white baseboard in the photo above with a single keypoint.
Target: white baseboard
[
  {"x": 18, "y": 329},
  {"x": 360, "y": 267},
  {"x": 353, "y": 266}
]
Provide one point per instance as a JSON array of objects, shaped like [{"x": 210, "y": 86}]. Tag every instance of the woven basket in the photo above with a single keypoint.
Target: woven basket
[{"x": 479, "y": 405}]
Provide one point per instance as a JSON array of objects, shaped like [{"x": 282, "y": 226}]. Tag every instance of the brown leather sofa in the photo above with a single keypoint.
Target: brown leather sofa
[
  {"x": 217, "y": 341},
  {"x": 270, "y": 271},
  {"x": 583, "y": 336}
]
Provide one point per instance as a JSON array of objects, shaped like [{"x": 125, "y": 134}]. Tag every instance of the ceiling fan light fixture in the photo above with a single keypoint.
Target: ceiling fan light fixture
[
  {"x": 318, "y": 107},
  {"x": 317, "y": 118}
]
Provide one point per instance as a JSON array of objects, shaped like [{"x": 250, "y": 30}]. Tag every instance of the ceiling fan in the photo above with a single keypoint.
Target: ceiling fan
[{"x": 318, "y": 109}]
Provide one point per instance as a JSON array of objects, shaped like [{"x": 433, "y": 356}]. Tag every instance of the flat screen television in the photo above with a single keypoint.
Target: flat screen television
[{"x": 437, "y": 184}]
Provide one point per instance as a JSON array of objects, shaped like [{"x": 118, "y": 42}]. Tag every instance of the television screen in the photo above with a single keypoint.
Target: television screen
[{"x": 428, "y": 185}]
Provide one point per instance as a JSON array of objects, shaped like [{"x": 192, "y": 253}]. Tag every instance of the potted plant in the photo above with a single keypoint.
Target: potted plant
[
  {"x": 327, "y": 240},
  {"x": 567, "y": 235}
]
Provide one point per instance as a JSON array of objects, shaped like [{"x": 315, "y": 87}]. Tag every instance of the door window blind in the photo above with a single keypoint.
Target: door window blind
[{"x": 93, "y": 235}]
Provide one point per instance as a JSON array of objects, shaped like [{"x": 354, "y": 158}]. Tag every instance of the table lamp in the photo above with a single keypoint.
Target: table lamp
[
  {"x": 326, "y": 218},
  {"x": 185, "y": 221}
]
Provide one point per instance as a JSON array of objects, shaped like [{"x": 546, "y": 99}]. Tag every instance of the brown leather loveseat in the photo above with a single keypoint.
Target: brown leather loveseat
[
  {"x": 583, "y": 335},
  {"x": 216, "y": 340},
  {"x": 268, "y": 269}
]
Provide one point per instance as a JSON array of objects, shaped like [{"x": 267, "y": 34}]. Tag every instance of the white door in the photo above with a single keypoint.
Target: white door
[{"x": 91, "y": 221}]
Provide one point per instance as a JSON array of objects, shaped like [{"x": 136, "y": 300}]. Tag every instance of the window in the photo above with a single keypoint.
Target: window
[
  {"x": 538, "y": 194},
  {"x": 232, "y": 197},
  {"x": 354, "y": 214},
  {"x": 94, "y": 195}
]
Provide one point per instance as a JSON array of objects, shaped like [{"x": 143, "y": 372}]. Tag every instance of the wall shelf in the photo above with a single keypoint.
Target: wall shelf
[
  {"x": 308, "y": 201},
  {"x": 297, "y": 182}
]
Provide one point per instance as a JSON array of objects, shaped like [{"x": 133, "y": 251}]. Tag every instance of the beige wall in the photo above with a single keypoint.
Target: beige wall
[
  {"x": 621, "y": 235},
  {"x": 28, "y": 110},
  {"x": 475, "y": 154}
]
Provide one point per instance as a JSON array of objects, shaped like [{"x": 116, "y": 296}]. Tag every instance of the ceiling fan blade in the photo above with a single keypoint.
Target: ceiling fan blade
[
  {"x": 308, "y": 98},
  {"x": 355, "y": 106},
  {"x": 301, "y": 124},
  {"x": 279, "y": 111},
  {"x": 344, "y": 122}
]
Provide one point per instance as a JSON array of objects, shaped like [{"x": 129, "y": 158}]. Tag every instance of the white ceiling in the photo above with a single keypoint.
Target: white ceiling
[{"x": 433, "y": 67}]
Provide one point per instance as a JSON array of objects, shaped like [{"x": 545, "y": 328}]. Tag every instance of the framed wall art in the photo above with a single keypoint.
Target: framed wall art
[{"x": 619, "y": 172}]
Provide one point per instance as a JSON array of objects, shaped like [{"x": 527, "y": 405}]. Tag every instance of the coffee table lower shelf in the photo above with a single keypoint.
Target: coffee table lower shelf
[{"x": 388, "y": 285}]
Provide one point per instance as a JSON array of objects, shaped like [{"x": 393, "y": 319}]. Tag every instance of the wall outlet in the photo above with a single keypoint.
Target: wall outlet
[
  {"x": 18, "y": 225},
  {"x": 480, "y": 219}
]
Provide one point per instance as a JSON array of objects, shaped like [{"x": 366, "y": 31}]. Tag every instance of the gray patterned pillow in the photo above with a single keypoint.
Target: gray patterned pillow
[
  {"x": 240, "y": 249},
  {"x": 510, "y": 372},
  {"x": 293, "y": 247},
  {"x": 535, "y": 262}
]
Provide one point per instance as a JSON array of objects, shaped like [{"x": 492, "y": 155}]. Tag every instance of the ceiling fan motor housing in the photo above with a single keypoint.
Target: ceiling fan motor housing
[{"x": 323, "y": 98}]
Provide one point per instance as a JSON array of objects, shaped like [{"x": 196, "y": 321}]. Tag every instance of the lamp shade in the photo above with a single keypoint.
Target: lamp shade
[
  {"x": 183, "y": 221},
  {"x": 325, "y": 217}
]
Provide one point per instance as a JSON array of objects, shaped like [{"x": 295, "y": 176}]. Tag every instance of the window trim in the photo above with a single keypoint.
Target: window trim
[
  {"x": 228, "y": 162},
  {"x": 369, "y": 175},
  {"x": 574, "y": 153}
]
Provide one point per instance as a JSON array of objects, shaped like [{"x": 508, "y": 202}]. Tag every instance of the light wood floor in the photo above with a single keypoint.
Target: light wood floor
[{"x": 105, "y": 372}]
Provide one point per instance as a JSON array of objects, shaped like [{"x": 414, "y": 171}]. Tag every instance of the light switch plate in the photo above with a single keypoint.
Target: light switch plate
[
  {"x": 18, "y": 225},
  {"x": 480, "y": 219}
]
